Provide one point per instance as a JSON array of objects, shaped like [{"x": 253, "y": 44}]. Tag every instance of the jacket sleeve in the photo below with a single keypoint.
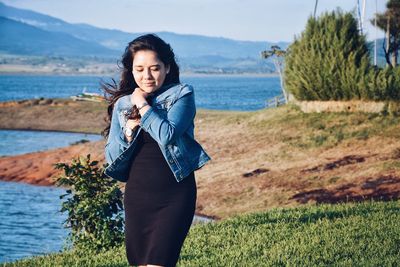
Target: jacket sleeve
[
  {"x": 180, "y": 116},
  {"x": 116, "y": 142}
]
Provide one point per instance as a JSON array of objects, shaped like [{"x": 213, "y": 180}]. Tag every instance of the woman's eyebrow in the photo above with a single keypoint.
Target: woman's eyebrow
[{"x": 155, "y": 65}]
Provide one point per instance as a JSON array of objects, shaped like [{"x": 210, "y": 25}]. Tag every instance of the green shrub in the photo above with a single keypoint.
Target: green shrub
[
  {"x": 386, "y": 83},
  {"x": 94, "y": 205},
  {"x": 330, "y": 61}
]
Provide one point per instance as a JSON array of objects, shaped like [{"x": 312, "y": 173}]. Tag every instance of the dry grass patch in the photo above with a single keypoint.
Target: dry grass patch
[{"x": 259, "y": 158}]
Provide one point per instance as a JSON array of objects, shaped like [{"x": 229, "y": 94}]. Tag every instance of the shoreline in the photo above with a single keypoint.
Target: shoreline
[
  {"x": 44, "y": 130},
  {"x": 16, "y": 102},
  {"x": 279, "y": 162},
  {"x": 183, "y": 74}
]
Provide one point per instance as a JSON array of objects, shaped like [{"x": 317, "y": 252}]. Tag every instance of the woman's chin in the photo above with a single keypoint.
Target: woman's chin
[{"x": 150, "y": 89}]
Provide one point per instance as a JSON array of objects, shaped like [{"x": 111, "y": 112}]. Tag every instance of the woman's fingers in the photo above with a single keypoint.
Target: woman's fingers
[
  {"x": 132, "y": 123},
  {"x": 138, "y": 96}
]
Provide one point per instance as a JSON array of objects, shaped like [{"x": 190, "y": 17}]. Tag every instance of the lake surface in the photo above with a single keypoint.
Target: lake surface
[
  {"x": 212, "y": 92},
  {"x": 20, "y": 142},
  {"x": 30, "y": 223}
]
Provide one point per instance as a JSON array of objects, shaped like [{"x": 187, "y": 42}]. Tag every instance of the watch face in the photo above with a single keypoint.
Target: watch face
[{"x": 128, "y": 132}]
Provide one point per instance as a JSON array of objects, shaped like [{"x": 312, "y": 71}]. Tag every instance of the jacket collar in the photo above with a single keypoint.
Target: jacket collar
[
  {"x": 160, "y": 94},
  {"x": 163, "y": 89}
]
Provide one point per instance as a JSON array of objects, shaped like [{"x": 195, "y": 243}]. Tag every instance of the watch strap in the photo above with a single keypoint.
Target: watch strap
[{"x": 142, "y": 105}]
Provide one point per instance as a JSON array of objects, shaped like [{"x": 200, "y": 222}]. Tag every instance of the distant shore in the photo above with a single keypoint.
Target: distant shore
[{"x": 28, "y": 70}]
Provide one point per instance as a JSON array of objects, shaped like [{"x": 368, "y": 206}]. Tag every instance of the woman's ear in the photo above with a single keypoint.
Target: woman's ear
[{"x": 167, "y": 69}]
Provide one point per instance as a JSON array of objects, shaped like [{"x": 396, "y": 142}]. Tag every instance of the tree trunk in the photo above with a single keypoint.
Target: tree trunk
[
  {"x": 278, "y": 66},
  {"x": 395, "y": 50},
  {"x": 388, "y": 63}
]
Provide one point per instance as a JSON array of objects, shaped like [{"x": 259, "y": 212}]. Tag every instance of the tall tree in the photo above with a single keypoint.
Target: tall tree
[
  {"x": 389, "y": 21},
  {"x": 329, "y": 60},
  {"x": 278, "y": 62}
]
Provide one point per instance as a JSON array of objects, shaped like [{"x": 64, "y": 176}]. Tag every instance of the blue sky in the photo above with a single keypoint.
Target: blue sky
[{"x": 257, "y": 20}]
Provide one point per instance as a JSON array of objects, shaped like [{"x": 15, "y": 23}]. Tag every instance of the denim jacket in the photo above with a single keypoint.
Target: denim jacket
[{"x": 169, "y": 121}]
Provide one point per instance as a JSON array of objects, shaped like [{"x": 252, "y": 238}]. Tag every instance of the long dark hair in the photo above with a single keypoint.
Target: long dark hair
[{"x": 127, "y": 84}]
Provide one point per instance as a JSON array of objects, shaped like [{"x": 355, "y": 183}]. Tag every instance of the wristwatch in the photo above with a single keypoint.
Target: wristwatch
[
  {"x": 128, "y": 132},
  {"x": 142, "y": 105}
]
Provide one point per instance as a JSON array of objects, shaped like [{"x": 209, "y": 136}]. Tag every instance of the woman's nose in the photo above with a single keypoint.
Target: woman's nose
[{"x": 147, "y": 74}]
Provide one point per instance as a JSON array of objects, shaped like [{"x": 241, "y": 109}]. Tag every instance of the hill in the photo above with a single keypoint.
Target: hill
[
  {"x": 21, "y": 38},
  {"x": 185, "y": 45},
  {"x": 195, "y": 53}
]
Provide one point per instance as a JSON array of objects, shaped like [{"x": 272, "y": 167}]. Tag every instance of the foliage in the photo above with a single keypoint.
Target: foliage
[
  {"x": 384, "y": 83},
  {"x": 365, "y": 234},
  {"x": 389, "y": 22},
  {"x": 329, "y": 61},
  {"x": 93, "y": 203}
]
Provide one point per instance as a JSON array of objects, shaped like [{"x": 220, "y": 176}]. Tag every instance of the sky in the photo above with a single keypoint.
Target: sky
[{"x": 252, "y": 20}]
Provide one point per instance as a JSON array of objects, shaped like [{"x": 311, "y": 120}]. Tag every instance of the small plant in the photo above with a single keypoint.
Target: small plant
[
  {"x": 93, "y": 203},
  {"x": 362, "y": 135},
  {"x": 319, "y": 140},
  {"x": 334, "y": 179},
  {"x": 339, "y": 135}
]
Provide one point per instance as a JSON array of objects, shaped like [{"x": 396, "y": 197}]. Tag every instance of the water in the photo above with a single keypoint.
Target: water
[
  {"x": 30, "y": 223},
  {"x": 18, "y": 87},
  {"x": 31, "y": 141},
  {"x": 233, "y": 93},
  {"x": 212, "y": 92}
]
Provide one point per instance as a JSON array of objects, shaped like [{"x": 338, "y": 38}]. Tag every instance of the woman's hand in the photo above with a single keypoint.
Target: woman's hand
[
  {"x": 131, "y": 124},
  {"x": 138, "y": 97}
]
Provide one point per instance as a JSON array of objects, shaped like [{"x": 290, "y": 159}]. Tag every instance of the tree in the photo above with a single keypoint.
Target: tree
[
  {"x": 389, "y": 22},
  {"x": 329, "y": 61},
  {"x": 278, "y": 62}
]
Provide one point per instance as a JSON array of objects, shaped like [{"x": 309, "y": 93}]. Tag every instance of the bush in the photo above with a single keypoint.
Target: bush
[
  {"x": 386, "y": 83},
  {"x": 94, "y": 205},
  {"x": 330, "y": 61}
]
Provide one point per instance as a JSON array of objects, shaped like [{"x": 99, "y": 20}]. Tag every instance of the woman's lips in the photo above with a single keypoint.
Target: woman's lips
[{"x": 149, "y": 84}]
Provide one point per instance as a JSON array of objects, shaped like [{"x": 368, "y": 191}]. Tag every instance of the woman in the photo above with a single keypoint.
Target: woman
[{"x": 151, "y": 146}]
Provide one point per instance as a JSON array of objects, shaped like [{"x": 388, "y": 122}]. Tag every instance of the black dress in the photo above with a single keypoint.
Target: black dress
[{"x": 158, "y": 209}]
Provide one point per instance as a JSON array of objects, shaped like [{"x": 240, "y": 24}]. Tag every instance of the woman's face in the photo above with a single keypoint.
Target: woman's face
[{"x": 148, "y": 71}]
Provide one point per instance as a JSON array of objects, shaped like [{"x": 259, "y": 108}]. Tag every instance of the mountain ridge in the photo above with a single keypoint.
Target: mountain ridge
[
  {"x": 36, "y": 41},
  {"x": 186, "y": 45}
]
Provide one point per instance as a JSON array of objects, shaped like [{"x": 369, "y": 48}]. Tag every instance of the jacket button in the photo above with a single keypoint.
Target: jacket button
[{"x": 171, "y": 161}]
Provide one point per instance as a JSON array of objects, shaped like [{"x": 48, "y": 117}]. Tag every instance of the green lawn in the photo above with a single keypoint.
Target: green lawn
[{"x": 365, "y": 234}]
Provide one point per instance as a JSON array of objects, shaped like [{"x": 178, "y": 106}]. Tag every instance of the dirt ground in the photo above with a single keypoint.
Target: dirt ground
[{"x": 260, "y": 160}]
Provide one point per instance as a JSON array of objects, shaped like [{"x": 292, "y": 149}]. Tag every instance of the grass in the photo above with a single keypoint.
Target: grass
[
  {"x": 364, "y": 234},
  {"x": 329, "y": 129}
]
